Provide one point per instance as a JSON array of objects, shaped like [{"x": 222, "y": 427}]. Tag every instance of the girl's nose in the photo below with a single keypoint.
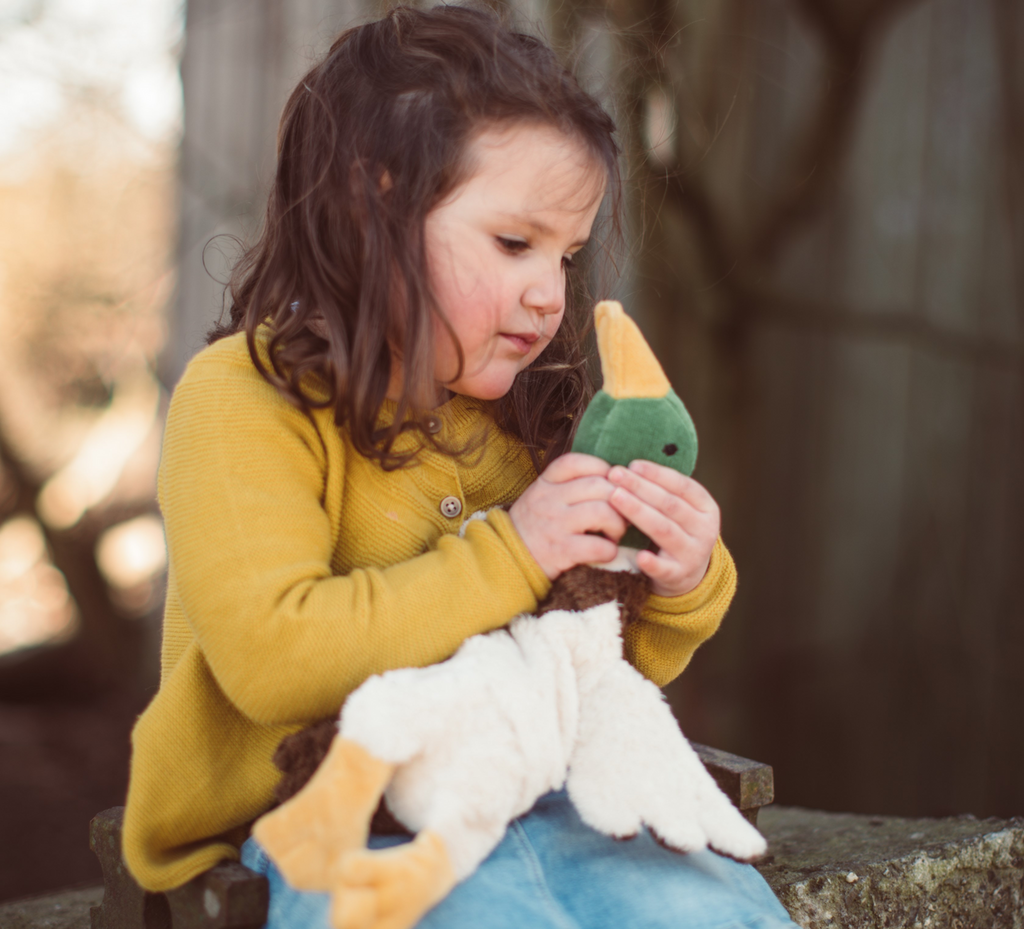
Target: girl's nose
[{"x": 545, "y": 293}]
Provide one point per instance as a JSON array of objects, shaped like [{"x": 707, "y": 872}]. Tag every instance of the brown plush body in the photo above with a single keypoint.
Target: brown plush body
[{"x": 300, "y": 754}]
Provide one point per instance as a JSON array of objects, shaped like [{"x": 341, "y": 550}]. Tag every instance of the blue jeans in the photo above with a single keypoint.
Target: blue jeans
[{"x": 551, "y": 871}]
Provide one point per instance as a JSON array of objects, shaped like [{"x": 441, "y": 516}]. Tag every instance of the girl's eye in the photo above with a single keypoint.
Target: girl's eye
[{"x": 512, "y": 246}]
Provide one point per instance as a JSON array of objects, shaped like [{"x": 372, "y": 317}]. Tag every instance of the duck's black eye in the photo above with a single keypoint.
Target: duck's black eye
[{"x": 670, "y": 449}]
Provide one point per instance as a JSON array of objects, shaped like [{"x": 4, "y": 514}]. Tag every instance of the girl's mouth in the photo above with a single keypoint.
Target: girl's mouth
[{"x": 521, "y": 341}]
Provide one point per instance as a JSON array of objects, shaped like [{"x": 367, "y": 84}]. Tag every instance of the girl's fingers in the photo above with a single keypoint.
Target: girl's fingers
[
  {"x": 595, "y": 516},
  {"x": 592, "y": 549},
  {"x": 655, "y": 496},
  {"x": 677, "y": 484},
  {"x": 580, "y": 507},
  {"x": 583, "y": 489},
  {"x": 656, "y": 566},
  {"x": 667, "y": 575},
  {"x": 693, "y": 520},
  {"x": 573, "y": 465},
  {"x": 661, "y": 529}
]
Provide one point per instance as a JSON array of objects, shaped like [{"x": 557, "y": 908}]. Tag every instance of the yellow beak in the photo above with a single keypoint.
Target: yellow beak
[{"x": 627, "y": 362}]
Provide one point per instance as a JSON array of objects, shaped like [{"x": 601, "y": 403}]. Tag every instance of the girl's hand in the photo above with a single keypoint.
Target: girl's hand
[
  {"x": 557, "y": 511},
  {"x": 678, "y": 515}
]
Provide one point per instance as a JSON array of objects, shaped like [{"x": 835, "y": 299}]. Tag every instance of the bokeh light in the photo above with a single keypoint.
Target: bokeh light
[{"x": 35, "y": 605}]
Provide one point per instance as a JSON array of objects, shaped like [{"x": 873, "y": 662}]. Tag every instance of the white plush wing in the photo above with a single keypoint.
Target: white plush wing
[{"x": 632, "y": 766}]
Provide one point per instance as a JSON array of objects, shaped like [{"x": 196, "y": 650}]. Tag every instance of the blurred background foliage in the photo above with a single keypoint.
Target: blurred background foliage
[
  {"x": 90, "y": 124},
  {"x": 824, "y": 246}
]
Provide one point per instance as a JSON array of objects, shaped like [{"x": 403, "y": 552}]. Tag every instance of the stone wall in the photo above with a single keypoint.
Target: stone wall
[{"x": 835, "y": 870}]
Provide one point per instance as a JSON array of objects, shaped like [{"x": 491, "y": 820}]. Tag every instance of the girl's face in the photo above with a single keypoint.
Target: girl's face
[{"x": 497, "y": 249}]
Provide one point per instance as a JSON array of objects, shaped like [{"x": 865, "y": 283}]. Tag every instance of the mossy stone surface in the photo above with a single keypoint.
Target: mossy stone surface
[
  {"x": 835, "y": 870},
  {"x": 68, "y": 909}
]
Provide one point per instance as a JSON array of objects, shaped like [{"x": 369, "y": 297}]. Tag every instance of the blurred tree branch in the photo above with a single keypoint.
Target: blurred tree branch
[
  {"x": 847, "y": 39},
  {"x": 104, "y": 652},
  {"x": 735, "y": 259}
]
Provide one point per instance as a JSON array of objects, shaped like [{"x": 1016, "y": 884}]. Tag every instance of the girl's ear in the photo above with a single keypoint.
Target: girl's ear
[{"x": 385, "y": 183}]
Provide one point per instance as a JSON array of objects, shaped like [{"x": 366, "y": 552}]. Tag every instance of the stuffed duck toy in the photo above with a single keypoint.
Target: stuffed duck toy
[{"x": 459, "y": 749}]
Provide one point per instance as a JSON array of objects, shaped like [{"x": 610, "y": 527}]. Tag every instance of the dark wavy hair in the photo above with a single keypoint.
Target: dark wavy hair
[{"x": 372, "y": 139}]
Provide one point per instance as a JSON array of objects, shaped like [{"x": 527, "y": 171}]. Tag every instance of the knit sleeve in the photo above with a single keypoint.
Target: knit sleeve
[
  {"x": 243, "y": 480},
  {"x": 670, "y": 629}
]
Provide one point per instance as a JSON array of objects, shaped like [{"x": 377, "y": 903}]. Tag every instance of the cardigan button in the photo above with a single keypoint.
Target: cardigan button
[
  {"x": 451, "y": 507},
  {"x": 433, "y": 424}
]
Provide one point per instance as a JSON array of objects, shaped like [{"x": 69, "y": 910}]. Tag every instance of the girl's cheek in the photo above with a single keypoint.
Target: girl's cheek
[{"x": 463, "y": 291}]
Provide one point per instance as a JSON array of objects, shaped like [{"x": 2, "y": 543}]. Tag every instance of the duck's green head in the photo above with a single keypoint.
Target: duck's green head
[{"x": 636, "y": 414}]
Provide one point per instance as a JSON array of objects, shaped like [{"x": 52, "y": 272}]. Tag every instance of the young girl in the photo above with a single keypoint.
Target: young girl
[{"x": 400, "y": 355}]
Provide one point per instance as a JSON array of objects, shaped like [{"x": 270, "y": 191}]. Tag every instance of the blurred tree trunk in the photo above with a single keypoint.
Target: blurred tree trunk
[{"x": 241, "y": 61}]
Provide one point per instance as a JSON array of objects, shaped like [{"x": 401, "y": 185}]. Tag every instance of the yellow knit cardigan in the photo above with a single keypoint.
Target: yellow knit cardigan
[{"x": 297, "y": 569}]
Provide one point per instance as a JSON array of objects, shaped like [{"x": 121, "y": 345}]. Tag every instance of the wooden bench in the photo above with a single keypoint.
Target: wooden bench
[{"x": 230, "y": 896}]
